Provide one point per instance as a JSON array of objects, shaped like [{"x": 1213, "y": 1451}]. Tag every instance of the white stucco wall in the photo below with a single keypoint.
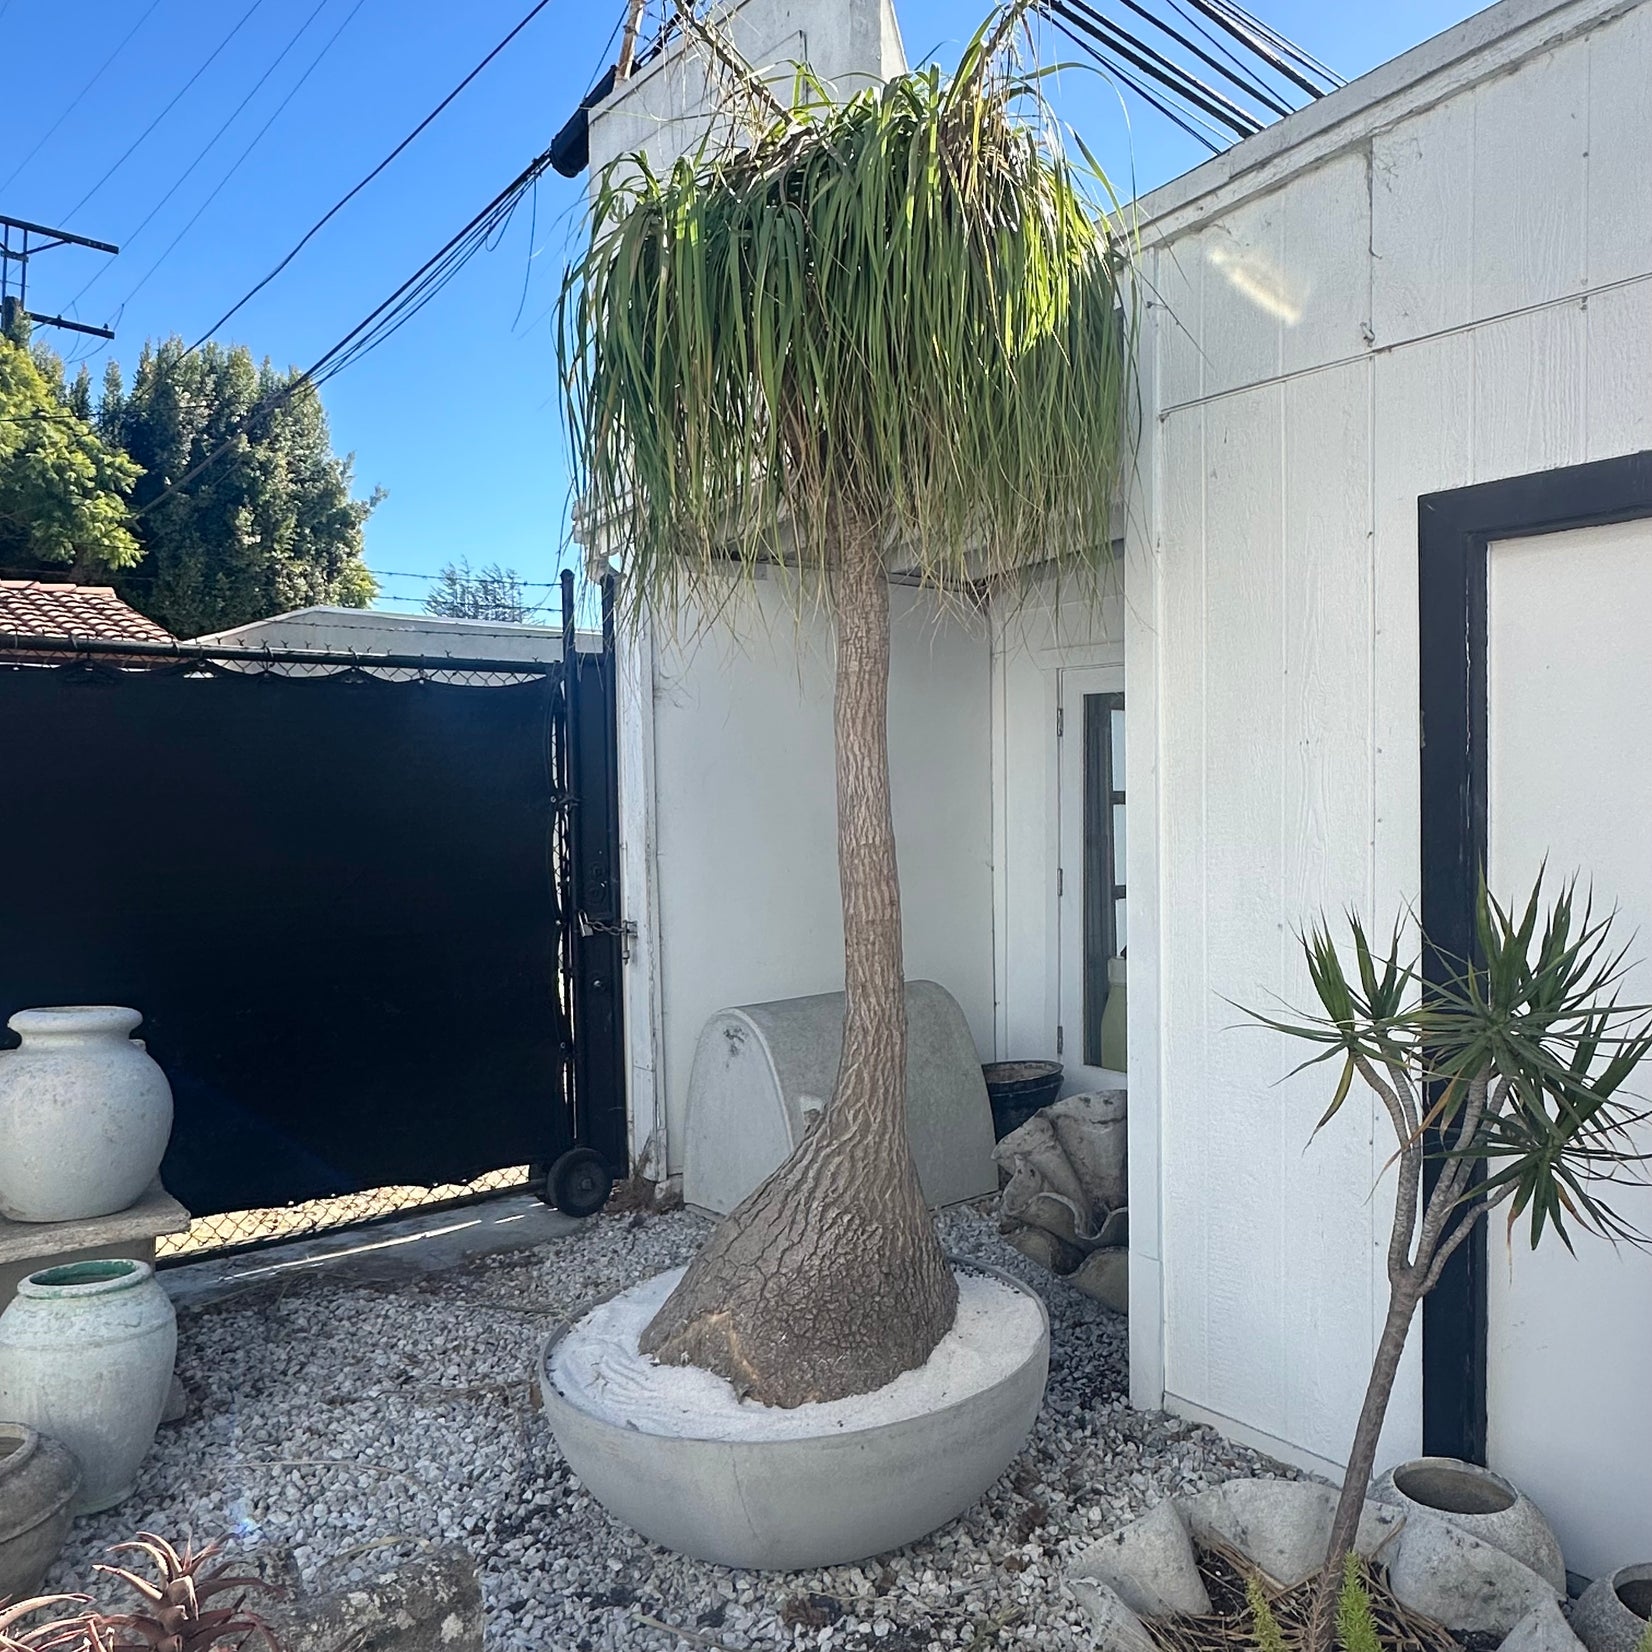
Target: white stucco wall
[
  {"x": 1439, "y": 276},
  {"x": 745, "y": 820}
]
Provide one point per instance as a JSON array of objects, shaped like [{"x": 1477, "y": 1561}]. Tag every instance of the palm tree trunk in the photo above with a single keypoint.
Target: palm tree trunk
[
  {"x": 828, "y": 1279},
  {"x": 1404, "y": 1295}
]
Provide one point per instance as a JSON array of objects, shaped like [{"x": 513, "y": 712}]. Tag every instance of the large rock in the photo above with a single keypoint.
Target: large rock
[
  {"x": 1067, "y": 1170},
  {"x": 432, "y": 1604},
  {"x": 1149, "y": 1564}
]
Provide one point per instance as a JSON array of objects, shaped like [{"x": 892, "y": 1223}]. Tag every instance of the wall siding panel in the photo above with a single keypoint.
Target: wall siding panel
[{"x": 1619, "y": 202}]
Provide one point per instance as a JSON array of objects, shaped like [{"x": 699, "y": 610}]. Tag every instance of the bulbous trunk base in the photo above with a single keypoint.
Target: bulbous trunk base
[{"x": 827, "y": 1281}]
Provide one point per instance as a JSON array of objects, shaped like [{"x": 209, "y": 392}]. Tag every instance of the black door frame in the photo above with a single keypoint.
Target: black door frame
[{"x": 1454, "y": 531}]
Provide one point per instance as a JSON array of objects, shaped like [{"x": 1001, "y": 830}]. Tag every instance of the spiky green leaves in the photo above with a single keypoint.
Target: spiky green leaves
[
  {"x": 1536, "y": 1020},
  {"x": 900, "y": 313}
]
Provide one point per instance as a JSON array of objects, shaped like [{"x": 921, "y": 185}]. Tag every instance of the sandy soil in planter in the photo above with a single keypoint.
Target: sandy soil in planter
[
  {"x": 598, "y": 1367},
  {"x": 351, "y": 1421}
]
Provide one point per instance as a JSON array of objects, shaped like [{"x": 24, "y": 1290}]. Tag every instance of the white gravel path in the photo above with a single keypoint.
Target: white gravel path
[{"x": 349, "y": 1421}]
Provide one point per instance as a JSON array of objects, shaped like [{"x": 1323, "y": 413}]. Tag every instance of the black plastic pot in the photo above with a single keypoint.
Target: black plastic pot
[{"x": 1017, "y": 1089}]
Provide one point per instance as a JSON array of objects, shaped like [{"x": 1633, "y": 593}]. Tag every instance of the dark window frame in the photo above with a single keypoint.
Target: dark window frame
[{"x": 1102, "y": 888}]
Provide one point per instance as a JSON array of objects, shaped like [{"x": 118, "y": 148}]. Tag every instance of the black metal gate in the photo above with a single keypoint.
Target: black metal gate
[{"x": 367, "y": 905}]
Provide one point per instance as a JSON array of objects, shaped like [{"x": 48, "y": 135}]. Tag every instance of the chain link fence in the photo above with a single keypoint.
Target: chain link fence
[{"x": 249, "y": 1229}]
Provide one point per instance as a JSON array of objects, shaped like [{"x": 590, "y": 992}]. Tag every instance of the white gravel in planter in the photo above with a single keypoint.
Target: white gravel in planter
[{"x": 349, "y": 1421}]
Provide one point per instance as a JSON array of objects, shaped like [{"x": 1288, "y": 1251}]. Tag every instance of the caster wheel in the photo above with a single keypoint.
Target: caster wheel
[{"x": 578, "y": 1183}]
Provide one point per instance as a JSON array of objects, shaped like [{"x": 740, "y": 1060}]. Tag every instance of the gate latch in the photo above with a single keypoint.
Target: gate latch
[{"x": 626, "y": 929}]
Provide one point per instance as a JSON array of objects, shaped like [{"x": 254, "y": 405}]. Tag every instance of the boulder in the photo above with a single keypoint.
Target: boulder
[{"x": 1149, "y": 1564}]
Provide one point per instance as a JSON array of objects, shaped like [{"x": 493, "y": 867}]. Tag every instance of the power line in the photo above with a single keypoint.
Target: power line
[
  {"x": 383, "y": 321},
  {"x": 1148, "y": 97},
  {"x": 76, "y": 100},
  {"x": 206, "y": 148},
  {"x": 257, "y": 138},
  {"x": 351, "y": 194},
  {"x": 127, "y": 153}
]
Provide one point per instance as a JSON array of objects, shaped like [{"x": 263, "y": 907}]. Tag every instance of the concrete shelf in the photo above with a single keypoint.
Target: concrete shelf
[{"x": 27, "y": 1247}]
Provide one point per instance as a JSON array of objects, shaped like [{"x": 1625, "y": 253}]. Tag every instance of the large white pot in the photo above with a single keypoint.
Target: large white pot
[
  {"x": 802, "y": 1503},
  {"x": 86, "y": 1353},
  {"x": 84, "y": 1114}
]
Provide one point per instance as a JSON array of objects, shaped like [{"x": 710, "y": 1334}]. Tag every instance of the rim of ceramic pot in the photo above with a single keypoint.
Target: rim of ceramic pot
[
  {"x": 72, "y": 1281},
  {"x": 75, "y": 1018},
  {"x": 18, "y": 1443},
  {"x": 1640, "y": 1575},
  {"x": 554, "y": 1399},
  {"x": 1410, "y": 1481}
]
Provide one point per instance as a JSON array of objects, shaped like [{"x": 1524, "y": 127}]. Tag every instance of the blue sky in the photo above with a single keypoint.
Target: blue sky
[{"x": 457, "y": 415}]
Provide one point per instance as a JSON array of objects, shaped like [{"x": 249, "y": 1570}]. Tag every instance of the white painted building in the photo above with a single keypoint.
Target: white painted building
[{"x": 1425, "y": 299}]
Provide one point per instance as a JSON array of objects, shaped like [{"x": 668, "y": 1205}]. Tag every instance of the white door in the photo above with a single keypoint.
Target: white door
[
  {"x": 1569, "y": 770},
  {"x": 1092, "y": 903}
]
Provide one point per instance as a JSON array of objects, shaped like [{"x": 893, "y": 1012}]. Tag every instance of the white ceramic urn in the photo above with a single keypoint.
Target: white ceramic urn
[
  {"x": 86, "y": 1354},
  {"x": 85, "y": 1114}
]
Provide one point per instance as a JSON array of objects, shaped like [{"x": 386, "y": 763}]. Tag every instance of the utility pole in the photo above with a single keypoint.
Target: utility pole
[{"x": 19, "y": 242}]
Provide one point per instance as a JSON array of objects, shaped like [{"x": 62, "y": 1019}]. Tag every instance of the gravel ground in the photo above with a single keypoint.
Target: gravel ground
[{"x": 348, "y": 1422}]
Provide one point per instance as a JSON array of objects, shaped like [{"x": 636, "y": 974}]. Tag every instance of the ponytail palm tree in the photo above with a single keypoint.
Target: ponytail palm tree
[{"x": 886, "y": 331}]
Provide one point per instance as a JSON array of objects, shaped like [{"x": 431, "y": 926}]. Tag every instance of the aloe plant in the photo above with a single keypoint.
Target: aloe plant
[
  {"x": 886, "y": 329},
  {"x": 1504, "y": 1083}
]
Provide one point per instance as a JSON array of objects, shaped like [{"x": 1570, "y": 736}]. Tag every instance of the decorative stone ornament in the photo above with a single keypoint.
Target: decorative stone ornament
[
  {"x": 85, "y": 1114},
  {"x": 1612, "y": 1613},
  {"x": 1479, "y": 1502},
  {"x": 39, "y": 1480},
  {"x": 86, "y": 1355},
  {"x": 1282, "y": 1527}
]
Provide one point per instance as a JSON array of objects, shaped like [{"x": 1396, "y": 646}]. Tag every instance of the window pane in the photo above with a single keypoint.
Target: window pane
[
  {"x": 1119, "y": 924},
  {"x": 1119, "y": 861},
  {"x": 1118, "y": 743}
]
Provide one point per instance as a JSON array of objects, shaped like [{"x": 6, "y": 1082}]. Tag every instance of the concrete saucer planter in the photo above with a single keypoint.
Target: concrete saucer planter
[
  {"x": 799, "y": 1503},
  {"x": 1612, "y": 1613},
  {"x": 1475, "y": 1500},
  {"x": 39, "y": 1481}
]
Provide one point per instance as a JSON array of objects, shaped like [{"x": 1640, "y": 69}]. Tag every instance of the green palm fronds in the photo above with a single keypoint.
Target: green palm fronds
[{"x": 902, "y": 314}]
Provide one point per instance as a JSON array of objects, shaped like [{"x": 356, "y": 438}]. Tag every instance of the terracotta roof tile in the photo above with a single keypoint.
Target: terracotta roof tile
[{"x": 40, "y": 608}]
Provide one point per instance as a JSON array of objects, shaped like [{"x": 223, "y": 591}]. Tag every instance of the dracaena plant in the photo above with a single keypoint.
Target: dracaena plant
[
  {"x": 171, "y": 1614},
  {"x": 1504, "y": 1079}
]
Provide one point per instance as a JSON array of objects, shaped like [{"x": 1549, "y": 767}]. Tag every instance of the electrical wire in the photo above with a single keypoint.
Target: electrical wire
[
  {"x": 131, "y": 148},
  {"x": 1123, "y": 75},
  {"x": 79, "y": 97},
  {"x": 383, "y": 321},
  {"x": 1224, "y": 18},
  {"x": 1185, "y": 86},
  {"x": 1285, "y": 44},
  {"x": 344, "y": 200},
  {"x": 240, "y": 159},
  {"x": 1246, "y": 83},
  {"x": 206, "y": 148}
]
